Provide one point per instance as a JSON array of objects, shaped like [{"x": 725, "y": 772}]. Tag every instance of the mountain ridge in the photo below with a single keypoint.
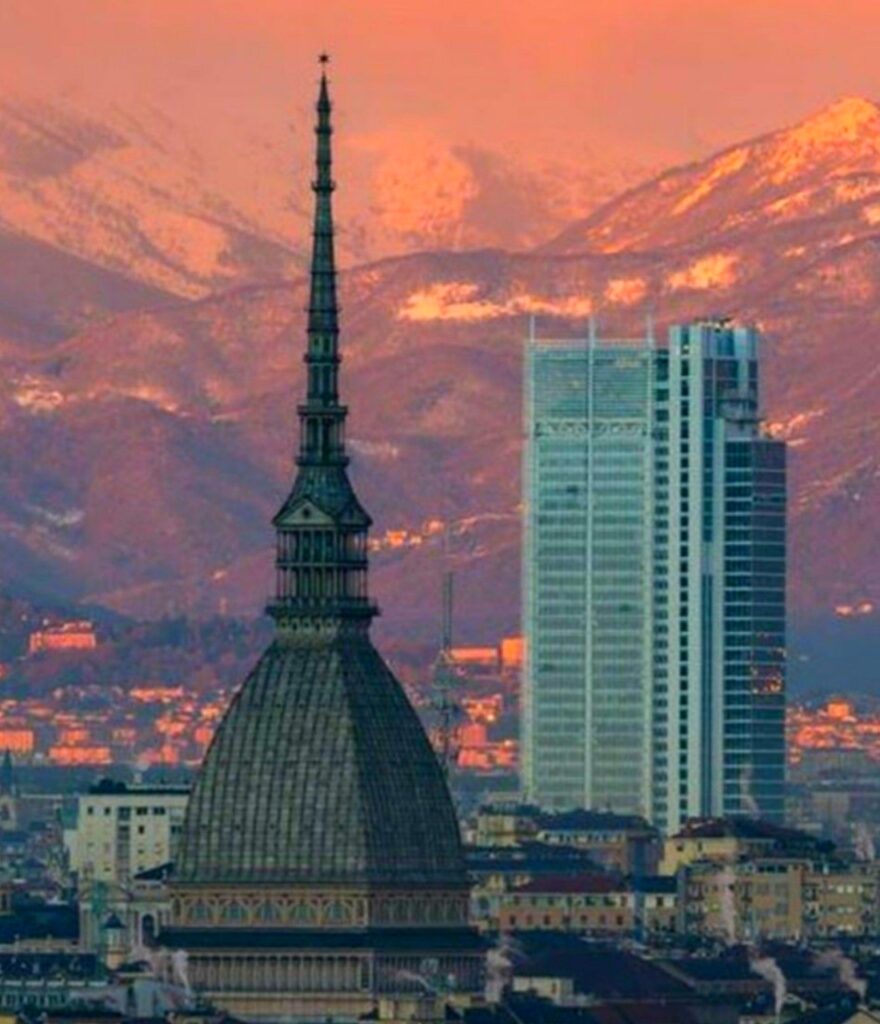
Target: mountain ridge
[
  {"x": 676, "y": 193},
  {"x": 166, "y": 435}
]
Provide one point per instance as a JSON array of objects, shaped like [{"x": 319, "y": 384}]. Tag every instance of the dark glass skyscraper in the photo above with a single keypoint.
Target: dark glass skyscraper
[
  {"x": 719, "y": 725},
  {"x": 654, "y": 578}
]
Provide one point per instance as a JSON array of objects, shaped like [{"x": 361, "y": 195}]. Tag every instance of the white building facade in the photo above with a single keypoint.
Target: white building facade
[{"x": 122, "y": 830}]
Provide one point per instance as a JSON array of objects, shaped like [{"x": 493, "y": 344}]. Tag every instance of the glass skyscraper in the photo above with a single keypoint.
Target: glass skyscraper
[
  {"x": 654, "y": 578},
  {"x": 588, "y": 597}
]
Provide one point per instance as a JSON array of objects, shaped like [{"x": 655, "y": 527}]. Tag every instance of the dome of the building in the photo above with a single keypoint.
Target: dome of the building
[{"x": 321, "y": 773}]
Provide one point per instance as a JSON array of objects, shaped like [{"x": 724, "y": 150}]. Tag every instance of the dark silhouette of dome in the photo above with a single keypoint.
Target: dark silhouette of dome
[{"x": 321, "y": 772}]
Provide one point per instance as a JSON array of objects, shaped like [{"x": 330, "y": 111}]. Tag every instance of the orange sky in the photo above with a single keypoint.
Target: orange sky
[
  {"x": 653, "y": 81},
  {"x": 664, "y": 76}
]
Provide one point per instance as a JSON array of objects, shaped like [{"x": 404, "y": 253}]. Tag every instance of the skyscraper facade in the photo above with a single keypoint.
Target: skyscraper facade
[
  {"x": 588, "y": 597},
  {"x": 654, "y": 569}
]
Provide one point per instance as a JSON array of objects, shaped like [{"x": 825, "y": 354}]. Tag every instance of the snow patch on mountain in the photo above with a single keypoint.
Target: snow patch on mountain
[
  {"x": 626, "y": 291},
  {"x": 717, "y": 270},
  {"x": 849, "y": 128},
  {"x": 63, "y": 519},
  {"x": 129, "y": 195},
  {"x": 461, "y": 301},
  {"x": 382, "y": 450},
  {"x": 725, "y": 165},
  {"x": 36, "y": 396}
]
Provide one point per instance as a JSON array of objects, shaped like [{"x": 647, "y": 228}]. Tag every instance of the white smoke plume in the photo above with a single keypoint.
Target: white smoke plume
[
  {"x": 180, "y": 966},
  {"x": 726, "y": 882},
  {"x": 766, "y": 967},
  {"x": 499, "y": 967},
  {"x": 171, "y": 975},
  {"x": 749, "y": 804},
  {"x": 418, "y": 979},
  {"x": 846, "y": 971},
  {"x": 864, "y": 843},
  {"x": 158, "y": 961}
]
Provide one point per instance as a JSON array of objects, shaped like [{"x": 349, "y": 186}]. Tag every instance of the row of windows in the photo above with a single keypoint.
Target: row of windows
[{"x": 124, "y": 812}]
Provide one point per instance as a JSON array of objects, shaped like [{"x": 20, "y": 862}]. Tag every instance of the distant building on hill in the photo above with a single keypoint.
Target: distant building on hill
[
  {"x": 17, "y": 739},
  {"x": 513, "y": 652},
  {"x": 476, "y": 657},
  {"x": 76, "y": 635},
  {"x": 654, "y": 578}
]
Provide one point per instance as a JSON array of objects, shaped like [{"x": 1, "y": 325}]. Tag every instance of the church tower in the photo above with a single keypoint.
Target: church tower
[{"x": 320, "y": 869}]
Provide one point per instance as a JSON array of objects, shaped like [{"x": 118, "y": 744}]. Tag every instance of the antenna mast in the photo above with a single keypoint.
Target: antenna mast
[{"x": 446, "y": 679}]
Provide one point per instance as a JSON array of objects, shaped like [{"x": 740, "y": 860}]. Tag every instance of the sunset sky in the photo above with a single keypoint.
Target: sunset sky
[
  {"x": 154, "y": 152},
  {"x": 641, "y": 82}
]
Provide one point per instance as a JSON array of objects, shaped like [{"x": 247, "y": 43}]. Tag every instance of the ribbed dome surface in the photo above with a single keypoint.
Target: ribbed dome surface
[{"x": 321, "y": 772}]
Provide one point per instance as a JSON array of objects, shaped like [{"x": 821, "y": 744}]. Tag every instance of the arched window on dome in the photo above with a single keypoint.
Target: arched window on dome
[
  {"x": 268, "y": 912},
  {"x": 335, "y": 911},
  {"x": 199, "y": 912},
  {"x": 234, "y": 911},
  {"x": 302, "y": 913}
]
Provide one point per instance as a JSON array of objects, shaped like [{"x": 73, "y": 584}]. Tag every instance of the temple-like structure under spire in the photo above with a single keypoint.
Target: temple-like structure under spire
[
  {"x": 320, "y": 865},
  {"x": 321, "y": 550}
]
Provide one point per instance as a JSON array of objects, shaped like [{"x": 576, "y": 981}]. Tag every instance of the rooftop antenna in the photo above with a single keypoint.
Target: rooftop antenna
[
  {"x": 649, "y": 328},
  {"x": 446, "y": 679}
]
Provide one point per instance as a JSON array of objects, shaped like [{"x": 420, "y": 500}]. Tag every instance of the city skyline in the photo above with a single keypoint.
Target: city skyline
[{"x": 512, "y": 738}]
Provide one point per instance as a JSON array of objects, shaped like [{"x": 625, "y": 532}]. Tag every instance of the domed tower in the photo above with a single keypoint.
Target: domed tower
[{"x": 320, "y": 867}]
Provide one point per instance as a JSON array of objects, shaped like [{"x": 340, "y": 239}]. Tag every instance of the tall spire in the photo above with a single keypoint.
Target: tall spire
[
  {"x": 322, "y": 417},
  {"x": 321, "y": 557}
]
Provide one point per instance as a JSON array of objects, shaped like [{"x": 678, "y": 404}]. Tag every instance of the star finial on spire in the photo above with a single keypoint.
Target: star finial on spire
[{"x": 324, "y": 59}]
